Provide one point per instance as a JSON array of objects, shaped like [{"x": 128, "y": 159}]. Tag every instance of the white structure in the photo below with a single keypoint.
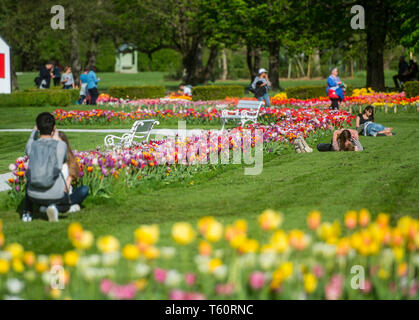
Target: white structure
[
  {"x": 5, "y": 72},
  {"x": 126, "y": 59},
  {"x": 246, "y": 110}
]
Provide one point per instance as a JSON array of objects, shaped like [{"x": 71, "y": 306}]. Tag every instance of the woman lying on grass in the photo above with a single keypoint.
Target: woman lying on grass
[
  {"x": 342, "y": 140},
  {"x": 365, "y": 124}
]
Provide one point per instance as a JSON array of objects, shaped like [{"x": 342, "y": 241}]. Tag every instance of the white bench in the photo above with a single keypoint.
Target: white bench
[
  {"x": 141, "y": 129},
  {"x": 246, "y": 110}
]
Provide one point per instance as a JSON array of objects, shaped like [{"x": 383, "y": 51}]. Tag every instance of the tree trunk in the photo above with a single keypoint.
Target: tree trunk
[
  {"x": 297, "y": 59},
  {"x": 376, "y": 30},
  {"x": 92, "y": 52},
  {"x": 224, "y": 74},
  {"x": 207, "y": 73},
  {"x": 74, "y": 47},
  {"x": 309, "y": 66},
  {"x": 253, "y": 61},
  {"x": 192, "y": 63},
  {"x": 316, "y": 63},
  {"x": 274, "y": 64},
  {"x": 289, "y": 67},
  {"x": 150, "y": 61}
]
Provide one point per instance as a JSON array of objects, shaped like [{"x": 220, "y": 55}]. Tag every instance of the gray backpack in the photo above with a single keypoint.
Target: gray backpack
[{"x": 43, "y": 168}]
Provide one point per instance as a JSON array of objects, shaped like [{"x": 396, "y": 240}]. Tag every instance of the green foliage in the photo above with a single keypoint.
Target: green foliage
[
  {"x": 216, "y": 92},
  {"x": 411, "y": 88},
  {"x": 308, "y": 92},
  {"x": 38, "y": 97},
  {"x": 140, "y": 92}
]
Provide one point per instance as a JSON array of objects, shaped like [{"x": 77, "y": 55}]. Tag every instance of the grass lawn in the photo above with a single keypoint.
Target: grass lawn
[
  {"x": 25, "y": 80},
  {"x": 383, "y": 178}
]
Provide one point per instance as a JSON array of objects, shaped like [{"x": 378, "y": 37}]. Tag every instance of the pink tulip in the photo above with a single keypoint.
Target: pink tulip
[
  {"x": 106, "y": 286},
  {"x": 257, "y": 280},
  {"x": 225, "y": 289},
  {"x": 177, "y": 294},
  {"x": 318, "y": 271},
  {"x": 190, "y": 279},
  {"x": 160, "y": 275}
]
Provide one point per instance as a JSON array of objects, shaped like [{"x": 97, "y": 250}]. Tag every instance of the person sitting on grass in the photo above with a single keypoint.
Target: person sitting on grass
[
  {"x": 70, "y": 172},
  {"x": 342, "y": 140},
  {"x": 45, "y": 183},
  {"x": 365, "y": 124},
  {"x": 185, "y": 90}
]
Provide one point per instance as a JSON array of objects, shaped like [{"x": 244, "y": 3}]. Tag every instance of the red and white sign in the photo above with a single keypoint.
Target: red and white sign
[{"x": 5, "y": 75}]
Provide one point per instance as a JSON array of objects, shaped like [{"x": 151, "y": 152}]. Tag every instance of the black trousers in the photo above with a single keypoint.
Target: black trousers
[
  {"x": 94, "y": 94},
  {"x": 325, "y": 147},
  {"x": 335, "y": 103}
]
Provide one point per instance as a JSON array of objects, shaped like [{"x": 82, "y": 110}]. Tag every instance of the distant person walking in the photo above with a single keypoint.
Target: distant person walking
[
  {"x": 261, "y": 85},
  {"x": 83, "y": 87},
  {"x": 334, "y": 89},
  {"x": 57, "y": 75},
  {"x": 67, "y": 79},
  {"x": 45, "y": 76},
  {"x": 92, "y": 82},
  {"x": 402, "y": 75}
]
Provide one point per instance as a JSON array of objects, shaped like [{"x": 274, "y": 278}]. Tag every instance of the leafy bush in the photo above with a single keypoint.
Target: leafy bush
[
  {"x": 308, "y": 92},
  {"x": 216, "y": 92},
  {"x": 38, "y": 97},
  {"x": 411, "y": 88},
  {"x": 140, "y": 92}
]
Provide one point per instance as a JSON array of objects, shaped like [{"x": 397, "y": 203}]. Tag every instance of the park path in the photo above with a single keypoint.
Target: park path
[{"x": 4, "y": 186}]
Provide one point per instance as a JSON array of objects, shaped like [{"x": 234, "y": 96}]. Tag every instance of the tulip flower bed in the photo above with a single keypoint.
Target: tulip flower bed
[
  {"x": 168, "y": 160},
  {"x": 359, "y": 98},
  {"x": 190, "y": 115},
  {"x": 216, "y": 261}
]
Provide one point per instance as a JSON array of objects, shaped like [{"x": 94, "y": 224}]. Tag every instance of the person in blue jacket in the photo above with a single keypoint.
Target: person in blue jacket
[
  {"x": 334, "y": 89},
  {"x": 92, "y": 82}
]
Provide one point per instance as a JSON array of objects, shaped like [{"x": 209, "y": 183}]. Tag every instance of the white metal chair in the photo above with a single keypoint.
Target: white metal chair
[
  {"x": 246, "y": 110},
  {"x": 141, "y": 129}
]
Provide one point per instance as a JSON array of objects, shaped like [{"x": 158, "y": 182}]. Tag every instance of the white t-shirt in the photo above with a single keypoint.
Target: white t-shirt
[{"x": 187, "y": 91}]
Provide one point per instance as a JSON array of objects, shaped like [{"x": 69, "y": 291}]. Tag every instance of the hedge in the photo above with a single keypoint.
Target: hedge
[
  {"x": 206, "y": 93},
  {"x": 140, "y": 92},
  {"x": 412, "y": 89},
  {"x": 38, "y": 97},
  {"x": 309, "y": 92}
]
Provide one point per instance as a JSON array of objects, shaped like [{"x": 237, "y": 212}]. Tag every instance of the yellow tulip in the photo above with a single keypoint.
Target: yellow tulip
[
  {"x": 383, "y": 220},
  {"x": 71, "y": 258},
  {"x": 4, "y": 266},
  {"x": 130, "y": 252},
  {"x": 1, "y": 239},
  {"x": 214, "y": 232},
  {"x": 270, "y": 220},
  {"x": 314, "y": 219},
  {"x": 205, "y": 248},
  {"x": 140, "y": 284},
  {"x": 17, "y": 265},
  {"x": 183, "y": 233},
  {"x": 15, "y": 249},
  {"x": 350, "y": 219},
  {"x": 148, "y": 234},
  {"x": 213, "y": 264},
  {"x": 74, "y": 230},
  {"x": 364, "y": 217},
  {"x": 237, "y": 241},
  {"x": 249, "y": 246},
  {"x": 107, "y": 244},
  {"x": 279, "y": 241},
  {"x": 29, "y": 258},
  {"x": 310, "y": 282},
  {"x": 204, "y": 223},
  {"x": 151, "y": 253},
  {"x": 85, "y": 240}
]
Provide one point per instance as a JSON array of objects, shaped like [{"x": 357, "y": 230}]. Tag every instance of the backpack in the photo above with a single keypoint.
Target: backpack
[
  {"x": 43, "y": 168},
  {"x": 260, "y": 91}
]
